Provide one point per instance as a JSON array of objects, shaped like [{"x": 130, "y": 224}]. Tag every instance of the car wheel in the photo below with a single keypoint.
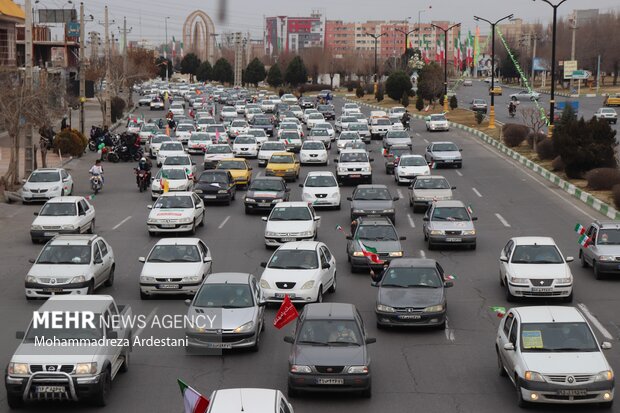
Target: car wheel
[
  {"x": 431, "y": 246},
  {"x": 509, "y": 297},
  {"x": 125, "y": 366},
  {"x": 291, "y": 392},
  {"x": 91, "y": 288},
  {"x": 473, "y": 246},
  {"x": 582, "y": 258},
  {"x": 607, "y": 405},
  {"x": 144, "y": 296},
  {"x": 520, "y": 401},
  {"x": 202, "y": 220},
  {"x": 256, "y": 345},
  {"x": 247, "y": 211},
  {"x": 332, "y": 289},
  {"x": 91, "y": 229},
  {"x": 338, "y": 206},
  {"x": 501, "y": 279},
  {"x": 597, "y": 273},
  {"x": 500, "y": 366},
  {"x": 110, "y": 281},
  {"x": 15, "y": 401},
  {"x": 193, "y": 230},
  {"x": 319, "y": 296},
  {"x": 152, "y": 234},
  {"x": 569, "y": 299},
  {"x": 101, "y": 398}
]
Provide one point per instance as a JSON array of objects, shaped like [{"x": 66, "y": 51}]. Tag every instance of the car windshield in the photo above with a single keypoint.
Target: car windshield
[
  {"x": 319, "y": 132},
  {"x": 262, "y": 121},
  {"x": 216, "y": 128},
  {"x": 266, "y": 185},
  {"x": 310, "y": 145},
  {"x": 44, "y": 177},
  {"x": 65, "y": 254},
  {"x": 170, "y": 202},
  {"x": 322, "y": 108},
  {"x": 608, "y": 110},
  {"x": 257, "y": 133},
  {"x": 172, "y": 173},
  {"x": 290, "y": 214},
  {"x": 58, "y": 209},
  {"x": 174, "y": 253},
  {"x": 557, "y": 337},
  {"x": 435, "y": 118},
  {"x": 238, "y": 165},
  {"x": 316, "y": 181},
  {"x": 273, "y": 146},
  {"x": 288, "y": 126},
  {"x": 450, "y": 214},
  {"x": 398, "y": 135},
  {"x": 608, "y": 237},
  {"x": 160, "y": 139},
  {"x": 424, "y": 277},
  {"x": 294, "y": 260},
  {"x": 177, "y": 160},
  {"x": 479, "y": 102},
  {"x": 445, "y": 147},
  {"x": 398, "y": 110},
  {"x": 374, "y": 194},
  {"x": 422, "y": 183},
  {"x": 53, "y": 332},
  {"x": 224, "y": 296},
  {"x": 383, "y": 122},
  {"x": 219, "y": 149},
  {"x": 210, "y": 177},
  {"x": 281, "y": 159},
  {"x": 290, "y": 135},
  {"x": 398, "y": 152},
  {"x": 536, "y": 254},
  {"x": 149, "y": 128},
  {"x": 355, "y": 145},
  {"x": 239, "y": 124},
  {"x": 185, "y": 128},
  {"x": 412, "y": 161},
  {"x": 348, "y": 119},
  {"x": 315, "y": 116},
  {"x": 245, "y": 140},
  {"x": 376, "y": 233},
  {"x": 172, "y": 146},
  {"x": 229, "y": 110},
  {"x": 329, "y": 333},
  {"x": 327, "y": 126},
  {"x": 199, "y": 137},
  {"x": 358, "y": 126},
  {"x": 353, "y": 157}
]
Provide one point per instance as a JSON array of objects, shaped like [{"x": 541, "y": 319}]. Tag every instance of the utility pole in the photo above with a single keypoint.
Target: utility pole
[
  {"x": 535, "y": 38},
  {"x": 445, "y": 63},
  {"x": 166, "y": 47},
  {"x": 406, "y": 39},
  {"x": 28, "y": 135},
  {"x": 238, "y": 59},
  {"x": 125, "y": 61},
  {"x": 108, "y": 104},
  {"x": 82, "y": 71},
  {"x": 572, "y": 49},
  {"x": 376, "y": 76},
  {"x": 419, "y": 28}
]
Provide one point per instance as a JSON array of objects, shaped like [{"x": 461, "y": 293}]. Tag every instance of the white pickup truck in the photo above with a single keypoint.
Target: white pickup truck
[{"x": 69, "y": 353}]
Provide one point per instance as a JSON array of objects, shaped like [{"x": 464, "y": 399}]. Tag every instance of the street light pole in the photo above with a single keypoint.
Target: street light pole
[
  {"x": 376, "y": 38},
  {"x": 445, "y": 62},
  {"x": 492, "y": 90},
  {"x": 419, "y": 26},
  {"x": 552, "y": 98},
  {"x": 166, "y": 46},
  {"x": 406, "y": 36}
]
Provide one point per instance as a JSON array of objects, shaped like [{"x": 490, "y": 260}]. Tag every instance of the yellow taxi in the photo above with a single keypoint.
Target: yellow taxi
[
  {"x": 283, "y": 164},
  {"x": 238, "y": 168},
  {"x": 612, "y": 100},
  {"x": 496, "y": 90}
]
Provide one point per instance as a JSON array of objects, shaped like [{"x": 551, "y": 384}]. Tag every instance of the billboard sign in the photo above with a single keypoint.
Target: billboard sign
[
  {"x": 57, "y": 15},
  {"x": 569, "y": 67},
  {"x": 73, "y": 29}
]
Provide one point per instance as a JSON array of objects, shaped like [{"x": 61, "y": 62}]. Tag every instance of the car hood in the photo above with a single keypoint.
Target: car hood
[
  {"x": 245, "y": 145},
  {"x": 539, "y": 270},
  {"x": 238, "y": 173},
  {"x": 54, "y": 220},
  {"x": 433, "y": 193},
  {"x": 173, "y": 269},
  {"x": 414, "y": 169},
  {"x": 171, "y": 213},
  {"x": 280, "y": 166},
  {"x": 447, "y": 155},
  {"x": 608, "y": 249},
  {"x": 171, "y": 153},
  {"x": 273, "y": 275},
  {"x": 313, "y": 151},
  {"x": 565, "y": 363},
  {"x": 172, "y": 183},
  {"x": 35, "y": 353},
  {"x": 320, "y": 190},
  {"x": 410, "y": 297},
  {"x": 378, "y": 205},
  {"x": 210, "y": 186},
  {"x": 451, "y": 225},
  {"x": 289, "y": 226},
  {"x": 265, "y": 194},
  {"x": 380, "y": 246},
  {"x": 41, "y": 185},
  {"x": 227, "y": 318},
  {"x": 398, "y": 141},
  {"x": 62, "y": 272},
  {"x": 328, "y": 355}
]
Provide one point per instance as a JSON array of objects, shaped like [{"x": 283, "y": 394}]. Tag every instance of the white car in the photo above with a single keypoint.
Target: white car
[
  {"x": 259, "y": 134},
  {"x": 313, "y": 152},
  {"x": 145, "y": 100},
  {"x": 525, "y": 94},
  {"x": 313, "y": 119},
  {"x": 251, "y": 113},
  {"x": 379, "y": 126},
  {"x": 217, "y": 133},
  {"x": 396, "y": 113},
  {"x": 228, "y": 113},
  {"x": 175, "y": 266},
  {"x": 608, "y": 114},
  {"x": 292, "y": 140},
  {"x": 180, "y": 161},
  {"x": 184, "y": 131},
  {"x": 342, "y": 122},
  {"x": 551, "y": 355},
  {"x": 245, "y": 146},
  {"x": 328, "y": 127},
  {"x": 534, "y": 267},
  {"x": 267, "y": 106},
  {"x": 216, "y": 153},
  {"x": 436, "y": 122},
  {"x": 320, "y": 135},
  {"x": 156, "y": 104},
  {"x": 362, "y": 129},
  {"x": 290, "y": 221},
  {"x": 177, "y": 109},
  {"x": 289, "y": 126},
  {"x": 198, "y": 143},
  {"x": 167, "y": 149},
  {"x": 297, "y": 111},
  {"x": 176, "y": 212},
  {"x": 133, "y": 126},
  {"x": 361, "y": 118},
  {"x": 71, "y": 264},
  {"x": 238, "y": 127},
  {"x": 321, "y": 189},
  {"x": 269, "y": 148},
  {"x": 289, "y": 99},
  {"x": 47, "y": 183},
  {"x": 354, "y": 165},
  {"x": 410, "y": 166},
  {"x": 303, "y": 271},
  {"x": 178, "y": 180},
  {"x": 147, "y": 130},
  {"x": 203, "y": 123},
  {"x": 350, "y": 105},
  {"x": 152, "y": 145},
  {"x": 231, "y": 400},
  {"x": 307, "y": 114},
  {"x": 240, "y": 107},
  {"x": 346, "y": 137},
  {"x": 63, "y": 215}
]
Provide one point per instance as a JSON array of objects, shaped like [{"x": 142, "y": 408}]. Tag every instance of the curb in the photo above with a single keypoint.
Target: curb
[{"x": 567, "y": 187}]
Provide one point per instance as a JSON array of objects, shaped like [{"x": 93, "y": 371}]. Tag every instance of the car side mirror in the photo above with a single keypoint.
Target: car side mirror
[
  {"x": 326, "y": 265},
  {"x": 374, "y": 283},
  {"x": 317, "y": 218},
  {"x": 349, "y": 198},
  {"x": 187, "y": 302},
  {"x": 448, "y": 284},
  {"x": 141, "y": 259},
  {"x": 570, "y": 259},
  {"x": 289, "y": 339},
  {"x": 509, "y": 347},
  {"x": 289, "y": 189},
  {"x": 425, "y": 219},
  {"x": 24, "y": 181},
  {"x": 370, "y": 340},
  {"x": 250, "y": 168},
  {"x": 21, "y": 334},
  {"x": 301, "y": 185},
  {"x": 503, "y": 258},
  {"x": 112, "y": 335},
  {"x": 263, "y": 264},
  {"x": 474, "y": 218},
  {"x": 36, "y": 214},
  {"x": 82, "y": 213},
  {"x": 98, "y": 261},
  {"x": 264, "y": 218},
  {"x": 349, "y": 237},
  {"x": 460, "y": 150},
  {"x": 396, "y": 198},
  {"x": 402, "y": 238},
  {"x": 207, "y": 259},
  {"x": 605, "y": 345},
  {"x": 149, "y": 206},
  {"x": 336, "y": 160},
  {"x": 31, "y": 260}
]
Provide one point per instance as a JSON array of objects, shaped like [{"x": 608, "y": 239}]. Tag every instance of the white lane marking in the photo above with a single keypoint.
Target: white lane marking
[
  {"x": 422, "y": 253},
  {"x": 410, "y": 218},
  {"x": 426, "y": 140},
  {"x": 146, "y": 323},
  {"x": 459, "y": 173},
  {"x": 476, "y": 192},
  {"x": 595, "y": 321},
  {"x": 417, "y": 134},
  {"x": 258, "y": 175},
  {"x": 449, "y": 331},
  {"x": 502, "y": 220},
  {"x": 224, "y": 222},
  {"x": 117, "y": 226},
  {"x": 400, "y": 193}
]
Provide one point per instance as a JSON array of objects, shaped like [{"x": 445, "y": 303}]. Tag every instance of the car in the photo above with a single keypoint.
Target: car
[
  {"x": 320, "y": 135},
  {"x": 239, "y": 168},
  {"x": 329, "y": 351},
  {"x": 612, "y": 100},
  {"x": 184, "y": 131},
  {"x": 290, "y": 221},
  {"x": 412, "y": 293},
  {"x": 370, "y": 234},
  {"x": 396, "y": 113},
  {"x": 245, "y": 146},
  {"x": 216, "y": 186},
  {"x": 351, "y": 105},
  {"x": 283, "y": 164},
  {"x": 495, "y": 90},
  {"x": 264, "y": 123},
  {"x": 267, "y": 106},
  {"x": 408, "y": 167},
  {"x": 167, "y": 149},
  {"x": 603, "y": 249},
  {"x": 313, "y": 119},
  {"x": 237, "y": 127},
  {"x": 228, "y": 113},
  {"x": 251, "y": 113},
  {"x": 443, "y": 154},
  {"x": 524, "y": 94},
  {"x": 328, "y": 111},
  {"x": 323, "y": 94},
  {"x": 357, "y": 145},
  {"x": 217, "y": 133},
  {"x": 297, "y": 111},
  {"x": 436, "y": 122},
  {"x": 145, "y": 100},
  {"x": 180, "y": 161},
  {"x": 264, "y": 400},
  {"x": 177, "y": 179},
  {"x": 534, "y": 267},
  {"x": 307, "y": 113},
  {"x": 379, "y": 126},
  {"x": 215, "y": 153},
  {"x": 551, "y": 355},
  {"x": 607, "y": 114},
  {"x": 45, "y": 184},
  {"x": 198, "y": 142},
  {"x": 313, "y": 152},
  {"x": 177, "y": 109},
  {"x": 354, "y": 166},
  {"x": 392, "y": 154},
  {"x": 289, "y": 126},
  {"x": 424, "y": 190},
  {"x": 488, "y": 79},
  {"x": 289, "y": 99},
  {"x": 268, "y": 149},
  {"x": 345, "y": 137},
  {"x": 468, "y": 82},
  {"x": 156, "y": 104},
  {"x": 134, "y": 125},
  {"x": 306, "y": 103},
  {"x": 147, "y": 130},
  {"x": 396, "y": 137},
  {"x": 152, "y": 145},
  {"x": 361, "y": 129},
  {"x": 291, "y": 139},
  {"x": 63, "y": 215},
  {"x": 202, "y": 123},
  {"x": 321, "y": 189},
  {"x": 342, "y": 123},
  {"x": 240, "y": 107},
  {"x": 71, "y": 264},
  {"x": 479, "y": 105},
  {"x": 361, "y": 118},
  {"x": 374, "y": 201},
  {"x": 264, "y": 193},
  {"x": 259, "y": 134},
  {"x": 449, "y": 223},
  {"x": 327, "y": 126},
  {"x": 303, "y": 271},
  {"x": 176, "y": 212}
]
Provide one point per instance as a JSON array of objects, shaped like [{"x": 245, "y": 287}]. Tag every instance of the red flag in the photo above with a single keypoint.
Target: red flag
[{"x": 286, "y": 313}]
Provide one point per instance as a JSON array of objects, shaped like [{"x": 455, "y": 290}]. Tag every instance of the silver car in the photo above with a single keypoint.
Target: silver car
[
  {"x": 227, "y": 312},
  {"x": 603, "y": 253},
  {"x": 426, "y": 189},
  {"x": 443, "y": 154},
  {"x": 449, "y": 223}
]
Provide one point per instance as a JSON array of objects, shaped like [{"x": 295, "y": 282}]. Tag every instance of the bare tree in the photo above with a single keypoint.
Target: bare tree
[{"x": 533, "y": 119}]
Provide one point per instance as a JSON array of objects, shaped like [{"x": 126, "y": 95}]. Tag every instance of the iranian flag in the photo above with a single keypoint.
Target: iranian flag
[
  {"x": 194, "y": 402},
  {"x": 457, "y": 53},
  {"x": 174, "y": 48},
  {"x": 438, "y": 51},
  {"x": 371, "y": 253},
  {"x": 579, "y": 229},
  {"x": 584, "y": 240},
  {"x": 442, "y": 52}
]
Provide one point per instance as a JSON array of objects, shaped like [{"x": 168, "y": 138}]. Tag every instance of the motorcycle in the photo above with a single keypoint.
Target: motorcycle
[
  {"x": 96, "y": 183},
  {"x": 143, "y": 179},
  {"x": 512, "y": 111}
]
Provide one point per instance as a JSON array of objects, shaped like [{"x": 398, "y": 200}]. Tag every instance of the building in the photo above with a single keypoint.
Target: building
[
  {"x": 284, "y": 34},
  {"x": 47, "y": 52},
  {"x": 10, "y": 15},
  {"x": 516, "y": 29}
]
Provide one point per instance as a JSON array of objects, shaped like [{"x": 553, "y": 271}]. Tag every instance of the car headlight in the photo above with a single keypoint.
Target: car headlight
[
  {"x": 343, "y": 169},
  {"x": 198, "y": 191},
  {"x": 193, "y": 278},
  {"x": 31, "y": 279},
  {"x": 606, "y": 375},
  {"x": 18, "y": 368},
  {"x": 606, "y": 258},
  {"x": 396, "y": 254},
  {"x": 36, "y": 227},
  {"x": 335, "y": 195},
  {"x": 264, "y": 284},
  {"x": 434, "y": 308},
  {"x": 306, "y": 233},
  {"x": 86, "y": 368},
  {"x": 566, "y": 280},
  {"x": 250, "y": 200},
  {"x": 469, "y": 232},
  {"x": 222, "y": 191},
  {"x": 276, "y": 200},
  {"x": 244, "y": 328},
  {"x": 359, "y": 211},
  {"x": 358, "y": 254},
  {"x": 146, "y": 279},
  {"x": 357, "y": 370},
  {"x": 270, "y": 234},
  {"x": 366, "y": 169},
  {"x": 533, "y": 376},
  {"x": 308, "y": 285},
  {"x": 388, "y": 211},
  {"x": 186, "y": 221},
  {"x": 385, "y": 308},
  {"x": 516, "y": 280},
  {"x": 295, "y": 368},
  {"x": 68, "y": 226},
  {"x": 25, "y": 189},
  {"x": 437, "y": 232},
  {"x": 78, "y": 279}
]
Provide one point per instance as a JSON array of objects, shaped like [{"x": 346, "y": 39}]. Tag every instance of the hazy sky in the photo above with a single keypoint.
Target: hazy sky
[{"x": 146, "y": 17}]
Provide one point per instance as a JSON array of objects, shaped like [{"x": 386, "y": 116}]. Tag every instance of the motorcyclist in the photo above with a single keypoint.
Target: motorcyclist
[
  {"x": 512, "y": 108},
  {"x": 405, "y": 119},
  {"x": 97, "y": 170},
  {"x": 144, "y": 165}
]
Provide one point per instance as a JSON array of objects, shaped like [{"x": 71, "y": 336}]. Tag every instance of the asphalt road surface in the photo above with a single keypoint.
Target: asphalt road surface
[{"x": 412, "y": 370}]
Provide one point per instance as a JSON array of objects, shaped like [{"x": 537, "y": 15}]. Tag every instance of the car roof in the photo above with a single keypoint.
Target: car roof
[
  {"x": 64, "y": 199},
  {"x": 410, "y": 155},
  {"x": 283, "y": 154},
  {"x": 47, "y": 170},
  {"x": 449, "y": 203},
  {"x": 608, "y": 224},
  {"x": 371, "y": 186},
  {"x": 268, "y": 178},
  {"x": 329, "y": 310},
  {"x": 178, "y": 241},
  {"x": 353, "y": 151},
  {"x": 533, "y": 241},
  {"x": 430, "y": 177},
  {"x": 320, "y": 173},
  {"x": 413, "y": 262},
  {"x": 442, "y": 142},
  {"x": 374, "y": 221},
  {"x": 96, "y": 303},
  {"x": 244, "y": 400},
  {"x": 549, "y": 314},
  {"x": 73, "y": 239},
  {"x": 292, "y": 204},
  {"x": 299, "y": 245},
  {"x": 177, "y": 193},
  {"x": 228, "y": 277}
]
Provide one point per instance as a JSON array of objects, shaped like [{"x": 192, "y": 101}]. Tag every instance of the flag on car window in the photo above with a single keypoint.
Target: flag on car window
[
  {"x": 584, "y": 241},
  {"x": 579, "y": 229},
  {"x": 285, "y": 314},
  {"x": 371, "y": 254},
  {"x": 499, "y": 311},
  {"x": 339, "y": 228},
  {"x": 193, "y": 401}
]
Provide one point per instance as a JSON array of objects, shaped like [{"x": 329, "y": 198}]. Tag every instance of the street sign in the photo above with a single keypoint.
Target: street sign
[
  {"x": 569, "y": 67},
  {"x": 580, "y": 74},
  {"x": 73, "y": 29}
]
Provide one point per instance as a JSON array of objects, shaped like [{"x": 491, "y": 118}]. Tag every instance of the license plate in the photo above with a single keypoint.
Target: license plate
[
  {"x": 448, "y": 161},
  {"x": 38, "y": 196},
  {"x": 410, "y": 317},
  {"x": 167, "y": 225},
  {"x": 49, "y": 234},
  {"x": 220, "y": 345},
  {"x": 168, "y": 286},
  {"x": 329, "y": 381},
  {"x": 282, "y": 295},
  {"x": 572, "y": 392},
  {"x": 542, "y": 290},
  {"x": 264, "y": 203},
  {"x": 354, "y": 176},
  {"x": 50, "y": 389},
  {"x": 52, "y": 290},
  {"x": 210, "y": 196},
  {"x": 453, "y": 239},
  {"x": 288, "y": 239}
]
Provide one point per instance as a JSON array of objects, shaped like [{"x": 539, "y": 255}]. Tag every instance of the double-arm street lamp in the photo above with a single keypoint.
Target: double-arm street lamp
[
  {"x": 376, "y": 38},
  {"x": 406, "y": 33},
  {"x": 445, "y": 63},
  {"x": 492, "y": 90}
]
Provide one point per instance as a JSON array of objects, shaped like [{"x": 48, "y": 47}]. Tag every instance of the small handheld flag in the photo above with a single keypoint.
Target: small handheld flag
[
  {"x": 584, "y": 241},
  {"x": 469, "y": 209},
  {"x": 90, "y": 197},
  {"x": 371, "y": 254},
  {"x": 339, "y": 228},
  {"x": 193, "y": 401},
  {"x": 285, "y": 314},
  {"x": 579, "y": 229},
  {"x": 499, "y": 311},
  {"x": 449, "y": 277}
]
